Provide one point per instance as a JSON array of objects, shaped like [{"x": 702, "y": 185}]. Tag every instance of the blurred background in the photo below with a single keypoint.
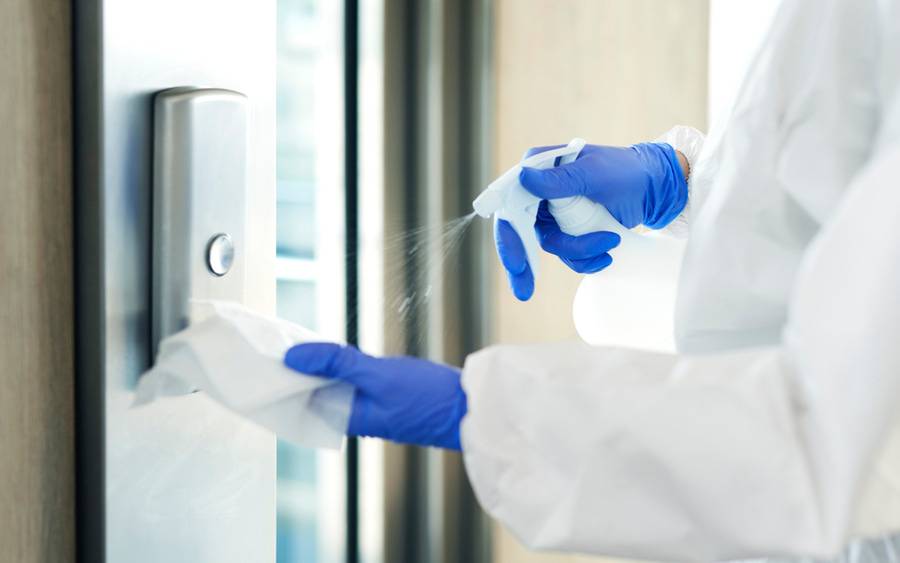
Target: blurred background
[{"x": 423, "y": 103}]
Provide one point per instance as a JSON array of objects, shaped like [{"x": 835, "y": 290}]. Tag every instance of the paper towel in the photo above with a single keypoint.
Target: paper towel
[{"x": 236, "y": 357}]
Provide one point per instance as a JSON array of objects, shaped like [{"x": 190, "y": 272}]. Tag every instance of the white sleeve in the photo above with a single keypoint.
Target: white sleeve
[
  {"x": 731, "y": 455},
  {"x": 689, "y": 142}
]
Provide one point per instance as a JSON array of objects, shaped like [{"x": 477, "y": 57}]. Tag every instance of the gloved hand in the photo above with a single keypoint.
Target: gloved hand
[
  {"x": 641, "y": 184},
  {"x": 403, "y": 399}
]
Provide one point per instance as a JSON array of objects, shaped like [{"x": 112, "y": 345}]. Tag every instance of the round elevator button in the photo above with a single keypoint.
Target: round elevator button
[{"x": 220, "y": 254}]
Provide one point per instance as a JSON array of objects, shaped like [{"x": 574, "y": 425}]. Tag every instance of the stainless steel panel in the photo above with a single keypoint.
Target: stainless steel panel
[
  {"x": 199, "y": 193},
  {"x": 181, "y": 480}
]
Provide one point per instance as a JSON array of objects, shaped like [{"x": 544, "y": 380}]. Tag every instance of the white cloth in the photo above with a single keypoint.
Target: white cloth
[
  {"x": 772, "y": 431},
  {"x": 236, "y": 357}
]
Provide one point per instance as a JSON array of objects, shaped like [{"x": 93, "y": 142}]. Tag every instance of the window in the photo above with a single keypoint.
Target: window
[{"x": 310, "y": 253}]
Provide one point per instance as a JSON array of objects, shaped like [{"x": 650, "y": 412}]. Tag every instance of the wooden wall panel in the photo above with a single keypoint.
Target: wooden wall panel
[{"x": 37, "y": 479}]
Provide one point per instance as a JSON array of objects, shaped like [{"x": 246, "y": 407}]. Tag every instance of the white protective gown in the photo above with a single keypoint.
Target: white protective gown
[{"x": 773, "y": 431}]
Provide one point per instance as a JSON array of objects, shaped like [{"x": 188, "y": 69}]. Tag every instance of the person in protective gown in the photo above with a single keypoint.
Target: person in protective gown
[{"x": 773, "y": 429}]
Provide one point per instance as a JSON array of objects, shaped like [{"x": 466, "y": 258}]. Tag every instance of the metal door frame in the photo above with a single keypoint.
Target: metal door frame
[{"x": 115, "y": 76}]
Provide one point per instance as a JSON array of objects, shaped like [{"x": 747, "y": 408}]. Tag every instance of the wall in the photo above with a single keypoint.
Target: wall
[
  {"x": 37, "y": 476},
  {"x": 611, "y": 71}
]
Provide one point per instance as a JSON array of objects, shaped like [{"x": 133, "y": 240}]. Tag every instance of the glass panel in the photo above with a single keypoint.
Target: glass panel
[
  {"x": 297, "y": 302},
  {"x": 297, "y": 537},
  {"x": 296, "y": 230},
  {"x": 310, "y": 285},
  {"x": 295, "y": 106}
]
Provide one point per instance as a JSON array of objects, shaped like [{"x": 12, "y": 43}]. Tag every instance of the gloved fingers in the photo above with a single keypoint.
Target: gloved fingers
[
  {"x": 538, "y": 150},
  {"x": 589, "y": 265},
  {"x": 565, "y": 180},
  {"x": 522, "y": 284},
  {"x": 327, "y": 359},
  {"x": 554, "y": 241},
  {"x": 572, "y": 247},
  {"x": 543, "y": 214},
  {"x": 510, "y": 248},
  {"x": 514, "y": 259}
]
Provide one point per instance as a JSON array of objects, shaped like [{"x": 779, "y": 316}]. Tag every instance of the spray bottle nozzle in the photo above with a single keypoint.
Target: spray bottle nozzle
[
  {"x": 505, "y": 198},
  {"x": 487, "y": 203}
]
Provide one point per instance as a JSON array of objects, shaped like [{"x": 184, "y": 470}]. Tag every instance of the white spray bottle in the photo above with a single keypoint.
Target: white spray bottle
[{"x": 631, "y": 303}]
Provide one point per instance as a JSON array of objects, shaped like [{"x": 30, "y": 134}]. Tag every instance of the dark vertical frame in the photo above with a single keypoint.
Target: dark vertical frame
[
  {"x": 90, "y": 407},
  {"x": 351, "y": 218},
  {"x": 413, "y": 525}
]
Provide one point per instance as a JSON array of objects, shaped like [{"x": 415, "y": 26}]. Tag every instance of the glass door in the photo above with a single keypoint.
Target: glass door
[{"x": 335, "y": 89}]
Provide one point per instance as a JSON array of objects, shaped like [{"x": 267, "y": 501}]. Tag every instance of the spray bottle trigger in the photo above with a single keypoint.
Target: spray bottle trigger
[{"x": 505, "y": 198}]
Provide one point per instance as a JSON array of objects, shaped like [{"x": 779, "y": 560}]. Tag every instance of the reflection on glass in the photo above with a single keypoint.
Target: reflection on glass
[{"x": 308, "y": 505}]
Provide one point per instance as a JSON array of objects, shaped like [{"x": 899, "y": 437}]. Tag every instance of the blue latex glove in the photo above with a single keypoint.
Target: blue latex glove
[
  {"x": 585, "y": 254},
  {"x": 403, "y": 399},
  {"x": 641, "y": 184}
]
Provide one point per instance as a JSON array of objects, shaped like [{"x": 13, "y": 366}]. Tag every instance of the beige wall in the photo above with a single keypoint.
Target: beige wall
[
  {"x": 37, "y": 475},
  {"x": 610, "y": 71}
]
